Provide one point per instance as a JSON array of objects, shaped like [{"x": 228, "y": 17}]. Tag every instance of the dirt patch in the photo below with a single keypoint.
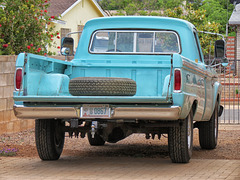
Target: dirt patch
[{"x": 133, "y": 146}]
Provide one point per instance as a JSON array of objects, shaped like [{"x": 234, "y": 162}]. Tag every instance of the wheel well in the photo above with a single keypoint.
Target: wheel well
[
  {"x": 194, "y": 107},
  {"x": 218, "y": 97}
]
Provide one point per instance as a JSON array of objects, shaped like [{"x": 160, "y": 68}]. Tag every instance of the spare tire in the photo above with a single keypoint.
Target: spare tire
[{"x": 102, "y": 86}]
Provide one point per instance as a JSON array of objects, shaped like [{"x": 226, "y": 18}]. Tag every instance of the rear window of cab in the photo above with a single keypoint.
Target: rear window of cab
[{"x": 134, "y": 42}]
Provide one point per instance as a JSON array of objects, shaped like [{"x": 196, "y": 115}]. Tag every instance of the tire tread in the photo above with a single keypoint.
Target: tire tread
[
  {"x": 44, "y": 138},
  {"x": 177, "y": 143},
  {"x": 207, "y": 132},
  {"x": 102, "y": 86}
]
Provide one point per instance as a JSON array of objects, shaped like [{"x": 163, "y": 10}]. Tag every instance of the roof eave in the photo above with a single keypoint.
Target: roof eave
[
  {"x": 99, "y": 8},
  {"x": 59, "y": 22},
  {"x": 69, "y": 9},
  {"x": 235, "y": 24},
  {"x": 73, "y": 5}
]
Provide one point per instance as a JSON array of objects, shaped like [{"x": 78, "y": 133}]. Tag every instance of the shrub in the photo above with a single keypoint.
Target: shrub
[{"x": 25, "y": 26}]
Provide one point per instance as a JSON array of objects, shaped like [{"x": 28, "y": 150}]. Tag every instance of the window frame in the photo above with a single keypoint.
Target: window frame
[
  {"x": 64, "y": 32},
  {"x": 198, "y": 45},
  {"x": 80, "y": 29},
  {"x": 135, "y": 41}
]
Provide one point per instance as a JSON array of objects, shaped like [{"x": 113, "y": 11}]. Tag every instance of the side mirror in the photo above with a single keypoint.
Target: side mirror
[
  {"x": 220, "y": 52},
  {"x": 224, "y": 62},
  {"x": 67, "y": 46},
  {"x": 219, "y": 49}
]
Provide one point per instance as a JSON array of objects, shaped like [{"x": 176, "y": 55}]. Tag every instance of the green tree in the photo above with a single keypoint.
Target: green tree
[
  {"x": 169, "y": 4},
  {"x": 25, "y": 27},
  {"x": 143, "y": 4},
  {"x": 131, "y": 9},
  {"x": 114, "y": 4},
  {"x": 198, "y": 19},
  {"x": 150, "y": 5},
  {"x": 198, "y": 12},
  {"x": 195, "y": 3},
  {"x": 218, "y": 11}
]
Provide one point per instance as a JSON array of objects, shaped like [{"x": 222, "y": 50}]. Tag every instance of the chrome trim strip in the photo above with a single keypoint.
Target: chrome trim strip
[
  {"x": 144, "y": 113},
  {"x": 194, "y": 67},
  {"x": 140, "y": 113},
  {"x": 44, "y": 112}
]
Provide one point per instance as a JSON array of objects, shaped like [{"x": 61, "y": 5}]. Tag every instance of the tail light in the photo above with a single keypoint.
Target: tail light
[
  {"x": 177, "y": 80},
  {"x": 18, "y": 79}
]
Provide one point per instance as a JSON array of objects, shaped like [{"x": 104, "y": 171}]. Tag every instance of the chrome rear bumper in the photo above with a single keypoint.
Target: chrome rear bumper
[{"x": 140, "y": 113}]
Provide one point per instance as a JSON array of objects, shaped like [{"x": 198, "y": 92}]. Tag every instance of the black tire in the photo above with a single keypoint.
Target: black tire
[
  {"x": 208, "y": 131},
  {"x": 180, "y": 141},
  {"x": 96, "y": 141},
  {"x": 102, "y": 86},
  {"x": 49, "y": 138}
]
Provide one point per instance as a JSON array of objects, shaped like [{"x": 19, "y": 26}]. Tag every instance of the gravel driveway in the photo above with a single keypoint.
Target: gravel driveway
[{"x": 133, "y": 146}]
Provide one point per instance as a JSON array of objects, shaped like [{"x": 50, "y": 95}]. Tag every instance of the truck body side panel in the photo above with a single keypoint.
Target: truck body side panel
[{"x": 45, "y": 80}]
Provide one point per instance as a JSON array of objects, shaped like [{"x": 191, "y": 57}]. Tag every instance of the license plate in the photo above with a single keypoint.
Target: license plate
[{"x": 95, "y": 111}]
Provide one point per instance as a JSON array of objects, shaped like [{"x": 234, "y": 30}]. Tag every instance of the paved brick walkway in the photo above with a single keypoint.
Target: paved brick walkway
[{"x": 111, "y": 168}]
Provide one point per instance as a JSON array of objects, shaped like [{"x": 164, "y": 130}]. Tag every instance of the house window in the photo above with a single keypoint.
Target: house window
[
  {"x": 80, "y": 28},
  {"x": 64, "y": 32}
]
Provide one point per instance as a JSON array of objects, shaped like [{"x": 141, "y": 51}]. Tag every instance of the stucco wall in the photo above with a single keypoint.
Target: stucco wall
[{"x": 79, "y": 15}]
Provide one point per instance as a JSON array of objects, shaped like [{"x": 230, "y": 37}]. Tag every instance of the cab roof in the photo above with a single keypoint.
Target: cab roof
[{"x": 139, "y": 22}]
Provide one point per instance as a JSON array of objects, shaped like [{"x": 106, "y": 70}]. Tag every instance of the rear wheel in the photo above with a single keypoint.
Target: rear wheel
[
  {"x": 180, "y": 140},
  {"x": 49, "y": 138},
  {"x": 96, "y": 141},
  {"x": 208, "y": 131}
]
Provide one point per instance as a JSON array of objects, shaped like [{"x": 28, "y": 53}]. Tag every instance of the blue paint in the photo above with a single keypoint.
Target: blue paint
[{"x": 46, "y": 79}]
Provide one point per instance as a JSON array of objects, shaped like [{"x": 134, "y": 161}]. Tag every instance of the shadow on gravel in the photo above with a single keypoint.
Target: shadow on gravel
[{"x": 122, "y": 150}]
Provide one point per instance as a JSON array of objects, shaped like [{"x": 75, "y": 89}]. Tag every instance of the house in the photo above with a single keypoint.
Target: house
[
  {"x": 235, "y": 22},
  {"x": 73, "y": 15}
]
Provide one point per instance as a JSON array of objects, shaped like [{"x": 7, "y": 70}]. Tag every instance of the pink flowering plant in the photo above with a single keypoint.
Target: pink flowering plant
[{"x": 25, "y": 26}]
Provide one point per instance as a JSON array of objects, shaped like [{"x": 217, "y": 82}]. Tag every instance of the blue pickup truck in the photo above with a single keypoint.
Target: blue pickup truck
[{"x": 129, "y": 75}]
